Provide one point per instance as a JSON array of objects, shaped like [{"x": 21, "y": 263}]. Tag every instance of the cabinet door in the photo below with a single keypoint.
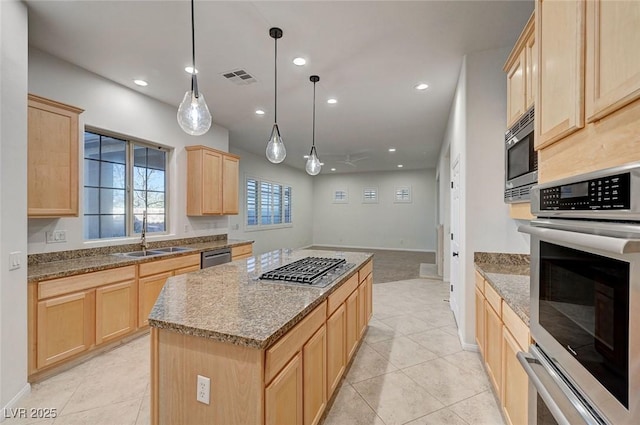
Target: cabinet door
[
  {"x": 531, "y": 70},
  {"x": 52, "y": 159},
  {"x": 230, "y": 178},
  {"x": 516, "y": 90},
  {"x": 353, "y": 322},
  {"x": 480, "y": 313},
  {"x": 65, "y": 327},
  {"x": 186, "y": 270},
  {"x": 560, "y": 99},
  {"x": 211, "y": 182},
  {"x": 613, "y": 65},
  {"x": 336, "y": 352},
  {"x": 314, "y": 364},
  {"x": 515, "y": 382},
  {"x": 369, "y": 300},
  {"x": 283, "y": 397},
  {"x": 362, "y": 308},
  {"x": 493, "y": 346},
  {"x": 116, "y": 307},
  {"x": 148, "y": 290}
]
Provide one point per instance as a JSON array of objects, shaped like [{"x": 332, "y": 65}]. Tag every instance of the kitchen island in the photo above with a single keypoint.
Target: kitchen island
[{"x": 274, "y": 353}]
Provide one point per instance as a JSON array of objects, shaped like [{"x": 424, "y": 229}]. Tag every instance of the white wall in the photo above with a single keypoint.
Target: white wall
[
  {"x": 296, "y": 236},
  {"x": 110, "y": 106},
  {"x": 475, "y": 134},
  {"x": 389, "y": 225},
  {"x": 13, "y": 200}
]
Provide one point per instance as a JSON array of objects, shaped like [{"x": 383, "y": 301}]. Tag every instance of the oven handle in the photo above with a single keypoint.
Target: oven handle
[
  {"x": 599, "y": 242},
  {"x": 565, "y": 406}
]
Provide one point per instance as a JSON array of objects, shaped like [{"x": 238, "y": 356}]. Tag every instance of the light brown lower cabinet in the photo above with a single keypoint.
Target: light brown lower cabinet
[
  {"x": 515, "y": 382},
  {"x": 336, "y": 353},
  {"x": 493, "y": 347},
  {"x": 369, "y": 298},
  {"x": 149, "y": 288},
  {"x": 283, "y": 396},
  {"x": 240, "y": 252},
  {"x": 353, "y": 323},
  {"x": 480, "y": 339},
  {"x": 314, "y": 365},
  {"x": 116, "y": 308},
  {"x": 65, "y": 327}
]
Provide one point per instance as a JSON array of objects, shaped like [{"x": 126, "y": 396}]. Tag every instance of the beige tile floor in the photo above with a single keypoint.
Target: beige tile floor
[{"x": 410, "y": 369}]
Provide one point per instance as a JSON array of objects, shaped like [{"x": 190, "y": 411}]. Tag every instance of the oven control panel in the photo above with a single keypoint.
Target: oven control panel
[{"x": 603, "y": 193}]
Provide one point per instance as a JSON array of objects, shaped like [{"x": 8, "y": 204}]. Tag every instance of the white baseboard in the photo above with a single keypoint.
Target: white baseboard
[
  {"x": 372, "y": 247},
  {"x": 14, "y": 401},
  {"x": 469, "y": 347}
]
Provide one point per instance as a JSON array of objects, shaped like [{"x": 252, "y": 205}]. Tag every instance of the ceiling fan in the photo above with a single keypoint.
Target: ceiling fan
[{"x": 352, "y": 159}]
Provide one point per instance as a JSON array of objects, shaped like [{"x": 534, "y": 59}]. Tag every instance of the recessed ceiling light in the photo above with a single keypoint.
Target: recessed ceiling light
[
  {"x": 333, "y": 169},
  {"x": 189, "y": 69},
  {"x": 392, "y": 149},
  {"x": 306, "y": 156},
  {"x": 422, "y": 86},
  {"x": 400, "y": 165},
  {"x": 141, "y": 83},
  {"x": 259, "y": 112},
  {"x": 332, "y": 101},
  {"x": 299, "y": 61}
]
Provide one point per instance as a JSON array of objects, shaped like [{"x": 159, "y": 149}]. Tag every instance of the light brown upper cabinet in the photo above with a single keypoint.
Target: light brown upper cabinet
[
  {"x": 559, "y": 27},
  {"x": 613, "y": 65},
  {"x": 519, "y": 69},
  {"x": 531, "y": 68},
  {"x": 212, "y": 181},
  {"x": 52, "y": 158}
]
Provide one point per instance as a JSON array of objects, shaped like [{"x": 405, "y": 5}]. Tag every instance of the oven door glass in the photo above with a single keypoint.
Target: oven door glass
[{"x": 584, "y": 305}]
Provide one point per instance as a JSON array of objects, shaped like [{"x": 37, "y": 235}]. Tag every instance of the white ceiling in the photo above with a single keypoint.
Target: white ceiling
[{"x": 369, "y": 55}]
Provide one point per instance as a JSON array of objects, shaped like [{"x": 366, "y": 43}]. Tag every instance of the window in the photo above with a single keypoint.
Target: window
[
  {"x": 403, "y": 194},
  {"x": 122, "y": 179},
  {"x": 370, "y": 195},
  {"x": 340, "y": 196},
  {"x": 268, "y": 203}
]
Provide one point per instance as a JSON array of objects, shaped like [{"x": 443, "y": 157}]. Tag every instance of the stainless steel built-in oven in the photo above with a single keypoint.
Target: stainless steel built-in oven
[
  {"x": 521, "y": 160},
  {"x": 585, "y": 294}
]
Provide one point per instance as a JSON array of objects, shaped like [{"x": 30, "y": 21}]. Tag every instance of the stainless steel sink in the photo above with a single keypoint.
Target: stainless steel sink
[
  {"x": 154, "y": 252},
  {"x": 172, "y": 249}
]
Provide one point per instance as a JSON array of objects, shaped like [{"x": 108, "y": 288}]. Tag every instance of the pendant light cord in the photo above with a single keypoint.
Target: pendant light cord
[
  {"x": 194, "y": 81},
  {"x": 313, "y": 135},
  {"x": 275, "y": 83}
]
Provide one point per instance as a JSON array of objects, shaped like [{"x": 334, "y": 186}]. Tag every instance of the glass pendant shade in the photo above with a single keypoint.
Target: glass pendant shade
[
  {"x": 193, "y": 114},
  {"x": 276, "y": 152},
  {"x": 313, "y": 165}
]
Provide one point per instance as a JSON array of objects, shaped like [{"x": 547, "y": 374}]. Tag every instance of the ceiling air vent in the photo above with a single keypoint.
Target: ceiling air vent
[{"x": 239, "y": 77}]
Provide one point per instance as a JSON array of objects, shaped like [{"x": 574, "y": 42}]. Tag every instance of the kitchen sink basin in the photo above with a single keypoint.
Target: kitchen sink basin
[{"x": 154, "y": 252}]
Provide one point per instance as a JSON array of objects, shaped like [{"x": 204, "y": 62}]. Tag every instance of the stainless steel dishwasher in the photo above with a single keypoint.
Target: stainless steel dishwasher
[{"x": 214, "y": 258}]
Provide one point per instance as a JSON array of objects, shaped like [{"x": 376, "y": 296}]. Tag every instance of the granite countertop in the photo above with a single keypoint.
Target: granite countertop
[
  {"x": 229, "y": 304},
  {"x": 60, "y": 265},
  {"x": 508, "y": 274}
]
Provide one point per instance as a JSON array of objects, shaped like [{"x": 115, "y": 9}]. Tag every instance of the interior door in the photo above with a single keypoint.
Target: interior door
[{"x": 455, "y": 288}]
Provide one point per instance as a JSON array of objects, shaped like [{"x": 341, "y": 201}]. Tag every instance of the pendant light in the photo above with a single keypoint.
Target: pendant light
[
  {"x": 193, "y": 114},
  {"x": 313, "y": 165},
  {"x": 276, "y": 151}
]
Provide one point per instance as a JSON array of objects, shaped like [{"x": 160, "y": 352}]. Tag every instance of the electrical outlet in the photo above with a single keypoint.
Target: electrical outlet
[
  {"x": 57, "y": 236},
  {"x": 203, "y": 389}
]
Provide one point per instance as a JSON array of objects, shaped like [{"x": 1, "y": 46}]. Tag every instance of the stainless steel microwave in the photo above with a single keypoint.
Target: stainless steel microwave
[{"x": 521, "y": 160}]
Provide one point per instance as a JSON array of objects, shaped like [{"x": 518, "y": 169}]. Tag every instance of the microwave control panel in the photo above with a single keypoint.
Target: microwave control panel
[{"x": 603, "y": 193}]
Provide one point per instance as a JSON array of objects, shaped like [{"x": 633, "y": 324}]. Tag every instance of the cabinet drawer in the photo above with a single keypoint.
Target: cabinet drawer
[
  {"x": 493, "y": 298},
  {"x": 365, "y": 271},
  {"x": 65, "y": 285},
  {"x": 480, "y": 282},
  {"x": 170, "y": 264},
  {"x": 280, "y": 353},
  {"x": 516, "y": 326},
  {"x": 341, "y": 294},
  {"x": 242, "y": 250}
]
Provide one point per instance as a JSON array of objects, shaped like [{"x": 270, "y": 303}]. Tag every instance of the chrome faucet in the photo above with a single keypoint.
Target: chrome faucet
[{"x": 143, "y": 235}]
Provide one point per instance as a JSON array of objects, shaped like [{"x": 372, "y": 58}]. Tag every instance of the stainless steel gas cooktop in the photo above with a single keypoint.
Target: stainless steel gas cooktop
[{"x": 315, "y": 271}]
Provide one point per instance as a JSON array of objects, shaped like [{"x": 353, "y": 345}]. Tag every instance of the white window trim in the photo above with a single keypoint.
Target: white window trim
[
  {"x": 341, "y": 201},
  {"x": 402, "y": 201},
  {"x": 260, "y": 227},
  {"x": 370, "y": 201}
]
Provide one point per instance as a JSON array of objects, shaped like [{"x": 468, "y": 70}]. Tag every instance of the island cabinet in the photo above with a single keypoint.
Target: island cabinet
[
  {"x": 152, "y": 277},
  {"x": 52, "y": 158},
  {"x": 290, "y": 381},
  {"x": 212, "y": 181},
  {"x": 501, "y": 334},
  {"x": 588, "y": 102}
]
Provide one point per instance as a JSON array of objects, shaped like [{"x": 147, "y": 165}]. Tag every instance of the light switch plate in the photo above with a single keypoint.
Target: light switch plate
[{"x": 15, "y": 260}]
